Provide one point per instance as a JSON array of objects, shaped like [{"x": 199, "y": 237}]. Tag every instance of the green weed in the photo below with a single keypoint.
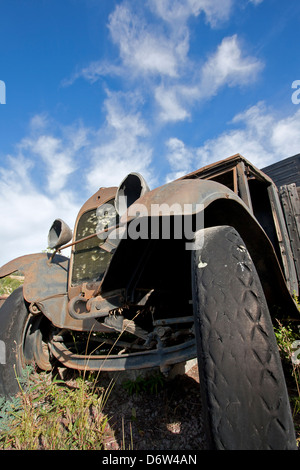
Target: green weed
[
  {"x": 151, "y": 384},
  {"x": 9, "y": 284},
  {"x": 288, "y": 336},
  {"x": 50, "y": 415}
]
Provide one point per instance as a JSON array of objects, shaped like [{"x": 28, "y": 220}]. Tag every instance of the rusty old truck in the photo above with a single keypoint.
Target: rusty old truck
[{"x": 200, "y": 267}]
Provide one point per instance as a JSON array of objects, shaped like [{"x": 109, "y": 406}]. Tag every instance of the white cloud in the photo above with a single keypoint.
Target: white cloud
[
  {"x": 159, "y": 50},
  {"x": 26, "y": 212},
  {"x": 262, "y": 138},
  {"x": 57, "y": 154},
  {"x": 38, "y": 122},
  {"x": 57, "y": 159},
  {"x": 180, "y": 158},
  {"x": 144, "y": 50},
  {"x": 52, "y": 146},
  {"x": 99, "y": 68},
  {"x": 174, "y": 11},
  {"x": 123, "y": 147},
  {"x": 169, "y": 100},
  {"x": 216, "y": 12},
  {"x": 286, "y": 135},
  {"x": 34, "y": 186},
  {"x": 228, "y": 66}
]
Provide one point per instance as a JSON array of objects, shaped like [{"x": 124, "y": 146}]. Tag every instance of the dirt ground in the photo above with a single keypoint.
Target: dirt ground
[{"x": 168, "y": 420}]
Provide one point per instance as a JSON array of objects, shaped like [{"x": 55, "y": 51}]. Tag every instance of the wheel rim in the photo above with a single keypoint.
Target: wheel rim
[{"x": 35, "y": 345}]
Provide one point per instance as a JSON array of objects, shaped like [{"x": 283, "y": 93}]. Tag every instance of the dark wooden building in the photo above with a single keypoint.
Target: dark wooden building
[
  {"x": 286, "y": 171},
  {"x": 286, "y": 176}
]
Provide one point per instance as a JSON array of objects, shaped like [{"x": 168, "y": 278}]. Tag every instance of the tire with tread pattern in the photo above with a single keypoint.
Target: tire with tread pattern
[
  {"x": 244, "y": 394},
  {"x": 14, "y": 322}
]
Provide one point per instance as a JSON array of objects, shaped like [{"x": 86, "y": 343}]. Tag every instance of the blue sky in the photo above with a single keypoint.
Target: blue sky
[{"x": 98, "y": 88}]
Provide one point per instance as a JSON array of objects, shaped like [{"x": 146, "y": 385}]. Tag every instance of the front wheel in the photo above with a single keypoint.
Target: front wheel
[
  {"x": 245, "y": 400},
  {"x": 21, "y": 336}
]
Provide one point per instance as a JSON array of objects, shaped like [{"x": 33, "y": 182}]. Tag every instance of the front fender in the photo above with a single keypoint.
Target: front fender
[
  {"x": 184, "y": 196},
  {"x": 45, "y": 283},
  {"x": 42, "y": 278},
  {"x": 221, "y": 206},
  {"x": 19, "y": 264},
  {"x": 46, "y": 286}
]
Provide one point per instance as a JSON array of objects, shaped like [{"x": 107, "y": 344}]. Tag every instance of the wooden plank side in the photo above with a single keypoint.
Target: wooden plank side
[{"x": 289, "y": 197}]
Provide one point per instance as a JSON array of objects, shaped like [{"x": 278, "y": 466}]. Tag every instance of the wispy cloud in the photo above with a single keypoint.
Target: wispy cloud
[
  {"x": 256, "y": 2},
  {"x": 180, "y": 157},
  {"x": 27, "y": 213},
  {"x": 58, "y": 161},
  {"x": 35, "y": 185},
  {"x": 154, "y": 55},
  {"x": 173, "y": 101},
  {"x": 228, "y": 66},
  {"x": 145, "y": 48},
  {"x": 122, "y": 145},
  {"x": 175, "y": 11},
  {"x": 258, "y": 134},
  {"x": 152, "y": 49},
  {"x": 57, "y": 154}
]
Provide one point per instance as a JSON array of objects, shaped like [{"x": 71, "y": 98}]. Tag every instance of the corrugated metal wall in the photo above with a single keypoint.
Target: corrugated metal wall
[
  {"x": 286, "y": 171},
  {"x": 286, "y": 176}
]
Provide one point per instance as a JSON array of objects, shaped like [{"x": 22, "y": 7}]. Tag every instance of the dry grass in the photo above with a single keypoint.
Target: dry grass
[{"x": 52, "y": 414}]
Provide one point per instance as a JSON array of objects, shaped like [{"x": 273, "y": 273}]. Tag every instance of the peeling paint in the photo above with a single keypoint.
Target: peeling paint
[
  {"x": 241, "y": 265},
  {"x": 201, "y": 264}
]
